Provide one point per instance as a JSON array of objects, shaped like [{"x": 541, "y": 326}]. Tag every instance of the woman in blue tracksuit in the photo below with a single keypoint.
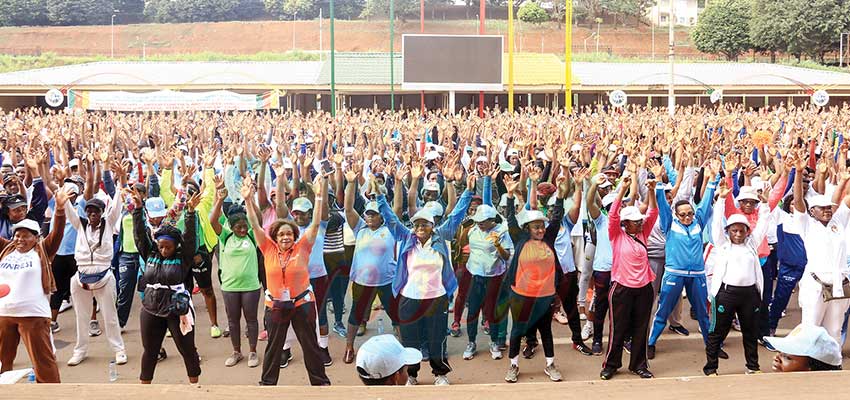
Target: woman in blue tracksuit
[
  {"x": 425, "y": 280},
  {"x": 684, "y": 266}
]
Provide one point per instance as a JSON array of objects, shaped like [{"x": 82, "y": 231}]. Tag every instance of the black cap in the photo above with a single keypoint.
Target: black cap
[
  {"x": 15, "y": 201},
  {"x": 97, "y": 203},
  {"x": 8, "y": 178}
]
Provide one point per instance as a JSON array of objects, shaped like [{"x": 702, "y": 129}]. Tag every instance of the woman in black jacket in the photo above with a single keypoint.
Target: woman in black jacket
[{"x": 167, "y": 284}]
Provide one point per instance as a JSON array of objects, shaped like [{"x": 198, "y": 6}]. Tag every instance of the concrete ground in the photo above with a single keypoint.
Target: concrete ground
[{"x": 677, "y": 356}]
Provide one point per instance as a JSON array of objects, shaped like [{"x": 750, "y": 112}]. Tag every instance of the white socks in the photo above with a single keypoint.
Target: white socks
[
  {"x": 323, "y": 341},
  {"x": 515, "y": 361},
  {"x": 550, "y": 361}
]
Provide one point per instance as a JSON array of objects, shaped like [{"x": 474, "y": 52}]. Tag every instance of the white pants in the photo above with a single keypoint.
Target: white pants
[
  {"x": 581, "y": 266},
  {"x": 105, "y": 296},
  {"x": 829, "y": 315}
]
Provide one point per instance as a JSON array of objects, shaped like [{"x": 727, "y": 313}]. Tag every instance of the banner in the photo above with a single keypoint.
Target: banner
[{"x": 169, "y": 100}]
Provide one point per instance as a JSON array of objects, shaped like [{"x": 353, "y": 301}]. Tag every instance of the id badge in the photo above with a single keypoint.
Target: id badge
[{"x": 284, "y": 295}]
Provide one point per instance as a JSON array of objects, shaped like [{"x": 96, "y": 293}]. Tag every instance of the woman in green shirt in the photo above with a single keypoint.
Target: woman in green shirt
[{"x": 239, "y": 271}]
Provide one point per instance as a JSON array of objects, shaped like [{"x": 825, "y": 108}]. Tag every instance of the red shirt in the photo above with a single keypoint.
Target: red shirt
[{"x": 631, "y": 262}]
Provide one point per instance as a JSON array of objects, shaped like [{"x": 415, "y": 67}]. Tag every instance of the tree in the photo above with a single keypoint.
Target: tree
[
  {"x": 723, "y": 28},
  {"x": 381, "y": 8},
  {"x": 79, "y": 12},
  {"x": 304, "y": 9},
  {"x": 531, "y": 12},
  {"x": 815, "y": 26},
  {"x": 196, "y": 10},
  {"x": 769, "y": 26},
  {"x": 624, "y": 9},
  {"x": 23, "y": 12}
]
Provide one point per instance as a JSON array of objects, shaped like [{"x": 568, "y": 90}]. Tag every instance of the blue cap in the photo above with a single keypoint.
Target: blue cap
[{"x": 155, "y": 207}]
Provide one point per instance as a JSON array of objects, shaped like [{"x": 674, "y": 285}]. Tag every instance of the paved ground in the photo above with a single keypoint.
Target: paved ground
[{"x": 677, "y": 356}]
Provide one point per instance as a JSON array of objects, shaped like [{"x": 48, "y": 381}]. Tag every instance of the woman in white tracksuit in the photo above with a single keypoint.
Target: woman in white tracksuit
[{"x": 823, "y": 228}]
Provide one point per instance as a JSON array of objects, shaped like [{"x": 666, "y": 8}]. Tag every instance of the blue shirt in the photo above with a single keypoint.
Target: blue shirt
[
  {"x": 564, "y": 246},
  {"x": 317, "y": 257},
  {"x": 604, "y": 256},
  {"x": 374, "y": 261},
  {"x": 69, "y": 241},
  {"x": 683, "y": 249}
]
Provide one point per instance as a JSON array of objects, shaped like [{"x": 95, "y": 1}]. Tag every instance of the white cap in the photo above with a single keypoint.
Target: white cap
[
  {"x": 434, "y": 207},
  {"x": 810, "y": 341},
  {"x": 371, "y": 206},
  {"x": 348, "y": 151},
  {"x": 482, "y": 159},
  {"x": 511, "y": 152},
  {"x": 423, "y": 214},
  {"x": 747, "y": 193},
  {"x": 756, "y": 183},
  {"x": 737, "y": 219},
  {"x": 576, "y": 147},
  {"x": 302, "y": 204},
  {"x": 28, "y": 224},
  {"x": 483, "y": 213},
  {"x": 503, "y": 202},
  {"x": 820, "y": 201},
  {"x": 609, "y": 199},
  {"x": 287, "y": 163},
  {"x": 631, "y": 213},
  {"x": 71, "y": 187},
  {"x": 606, "y": 183},
  {"x": 432, "y": 155},
  {"x": 431, "y": 186},
  {"x": 74, "y": 163},
  {"x": 382, "y": 356},
  {"x": 542, "y": 155},
  {"x": 527, "y": 216}
]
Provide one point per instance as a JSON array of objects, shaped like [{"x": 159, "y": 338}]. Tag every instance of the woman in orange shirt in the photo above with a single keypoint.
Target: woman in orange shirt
[{"x": 289, "y": 295}]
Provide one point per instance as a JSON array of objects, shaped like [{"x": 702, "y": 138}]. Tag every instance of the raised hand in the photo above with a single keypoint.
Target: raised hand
[
  {"x": 193, "y": 201},
  {"x": 264, "y": 153},
  {"x": 510, "y": 184},
  {"x": 723, "y": 189},
  {"x": 247, "y": 189}
]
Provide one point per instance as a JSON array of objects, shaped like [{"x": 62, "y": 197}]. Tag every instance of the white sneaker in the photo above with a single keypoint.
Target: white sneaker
[
  {"x": 495, "y": 353},
  {"x": 65, "y": 306},
  {"x": 582, "y": 317},
  {"x": 441, "y": 380},
  {"x": 411, "y": 381},
  {"x": 121, "y": 358},
  {"x": 587, "y": 330},
  {"x": 94, "y": 328},
  {"x": 76, "y": 359},
  {"x": 469, "y": 353}
]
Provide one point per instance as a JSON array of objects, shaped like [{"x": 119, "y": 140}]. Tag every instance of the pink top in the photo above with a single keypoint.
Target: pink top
[
  {"x": 631, "y": 263},
  {"x": 773, "y": 201}
]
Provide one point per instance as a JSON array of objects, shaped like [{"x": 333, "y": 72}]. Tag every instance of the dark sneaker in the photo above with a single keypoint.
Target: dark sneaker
[
  {"x": 680, "y": 330},
  {"x": 340, "y": 329},
  {"x": 583, "y": 349},
  {"x": 767, "y": 345},
  {"x": 650, "y": 352},
  {"x": 285, "y": 358},
  {"x": 722, "y": 354},
  {"x": 644, "y": 373},
  {"x": 529, "y": 349},
  {"x": 597, "y": 349},
  {"x": 607, "y": 373},
  {"x": 627, "y": 346},
  {"x": 326, "y": 357}
]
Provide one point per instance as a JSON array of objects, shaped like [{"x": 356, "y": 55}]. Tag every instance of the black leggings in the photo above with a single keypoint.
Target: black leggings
[
  {"x": 236, "y": 305},
  {"x": 531, "y": 314},
  {"x": 730, "y": 300},
  {"x": 303, "y": 320},
  {"x": 64, "y": 267},
  {"x": 153, "y": 331}
]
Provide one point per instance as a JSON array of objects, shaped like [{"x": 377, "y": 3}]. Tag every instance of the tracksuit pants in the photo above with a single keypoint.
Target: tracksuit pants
[
  {"x": 769, "y": 271},
  {"x": 35, "y": 333},
  {"x": 568, "y": 290},
  {"x": 629, "y": 317},
  {"x": 786, "y": 280},
  {"x": 671, "y": 293},
  {"x": 128, "y": 271},
  {"x": 483, "y": 296},
  {"x": 530, "y": 314},
  {"x": 303, "y": 321},
  {"x": 105, "y": 296},
  {"x": 657, "y": 265},
  {"x": 428, "y": 319},
  {"x": 601, "y": 288},
  {"x": 745, "y": 301},
  {"x": 829, "y": 315},
  {"x": 153, "y": 330}
]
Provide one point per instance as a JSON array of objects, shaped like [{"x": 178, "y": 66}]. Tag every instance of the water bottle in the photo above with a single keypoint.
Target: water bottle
[
  {"x": 31, "y": 377},
  {"x": 113, "y": 371},
  {"x": 381, "y": 326}
]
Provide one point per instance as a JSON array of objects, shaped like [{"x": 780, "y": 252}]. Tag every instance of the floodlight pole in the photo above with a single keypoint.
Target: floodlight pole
[
  {"x": 671, "y": 96},
  {"x": 511, "y": 56},
  {"x": 333, "y": 66},
  {"x": 568, "y": 57},
  {"x": 392, "y": 60},
  {"x": 112, "y": 33},
  {"x": 482, "y": 9},
  {"x": 841, "y": 51},
  {"x": 422, "y": 30}
]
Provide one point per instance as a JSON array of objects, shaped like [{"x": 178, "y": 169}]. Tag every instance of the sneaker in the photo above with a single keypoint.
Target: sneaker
[
  {"x": 597, "y": 348},
  {"x": 469, "y": 353},
  {"x": 582, "y": 317},
  {"x": 162, "y": 355},
  {"x": 76, "y": 359},
  {"x": 709, "y": 372},
  {"x": 326, "y": 357},
  {"x": 722, "y": 354},
  {"x": 94, "y": 328},
  {"x": 412, "y": 381},
  {"x": 736, "y": 325},
  {"x": 441, "y": 380},
  {"x": 233, "y": 359},
  {"x": 650, "y": 352},
  {"x": 607, "y": 373},
  {"x": 587, "y": 330},
  {"x": 767, "y": 345},
  {"x": 560, "y": 318},
  {"x": 529, "y": 349},
  {"x": 455, "y": 330},
  {"x": 583, "y": 349},
  {"x": 253, "y": 360},
  {"x": 643, "y": 373},
  {"x": 121, "y": 358},
  {"x": 552, "y": 372},
  {"x": 681, "y": 330},
  {"x": 215, "y": 332},
  {"x": 65, "y": 306},
  {"x": 485, "y": 327},
  {"x": 340, "y": 330},
  {"x": 361, "y": 330},
  {"x": 513, "y": 374},
  {"x": 285, "y": 358},
  {"x": 196, "y": 290},
  {"x": 627, "y": 346},
  {"x": 495, "y": 351},
  {"x": 753, "y": 371},
  {"x": 264, "y": 335},
  {"x": 54, "y": 327},
  {"x": 168, "y": 333}
]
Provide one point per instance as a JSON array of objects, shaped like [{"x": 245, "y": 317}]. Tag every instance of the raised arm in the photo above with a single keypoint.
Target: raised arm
[
  {"x": 351, "y": 214},
  {"x": 215, "y": 214},
  {"x": 253, "y": 211},
  {"x": 319, "y": 208},
  {"x": 718, "y": 234},
  {"x": 592, "y": 206}
]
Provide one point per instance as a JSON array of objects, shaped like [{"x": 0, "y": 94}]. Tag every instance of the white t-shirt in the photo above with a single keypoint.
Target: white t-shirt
[
  {"x": 739, "y": 270},
  {"x": 26, "y": 298}
]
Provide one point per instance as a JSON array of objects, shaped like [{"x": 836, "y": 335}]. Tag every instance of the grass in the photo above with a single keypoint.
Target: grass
[{"x": 10, "y": 63}]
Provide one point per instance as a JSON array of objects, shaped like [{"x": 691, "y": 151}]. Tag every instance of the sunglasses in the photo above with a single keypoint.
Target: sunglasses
[{"x": 687, "y": 214}]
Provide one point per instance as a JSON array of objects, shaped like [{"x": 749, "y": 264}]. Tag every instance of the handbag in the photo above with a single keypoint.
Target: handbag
[{"x": 826, "y": 289}]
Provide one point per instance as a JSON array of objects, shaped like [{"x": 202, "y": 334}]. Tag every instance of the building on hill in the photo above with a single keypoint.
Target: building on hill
[{"x": 685, "y": 12}]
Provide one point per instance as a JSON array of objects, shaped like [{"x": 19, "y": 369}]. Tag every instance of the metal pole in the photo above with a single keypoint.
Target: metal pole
[
  {"x": 481, "y": 13},
  {"x": 294, "y": 16},
  {"x": 422, "y": 30},
  {"x": 112, "y": 36},
  {"x": 568, "y": 56},
  {"x": 333, "y": 66},
  {"x": 320, "y": 34},
  {"x": 671, "y": 96},
  {"x": 511, "y": 56},
  {"x": 392, "y": 60}
]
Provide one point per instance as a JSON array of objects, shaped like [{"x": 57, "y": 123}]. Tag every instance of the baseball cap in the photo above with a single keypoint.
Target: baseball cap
[
  {"x": 482, "y": 159},
  {"x": 610, "y": 170},
  {"x": 810, "y": 341},
  {"x": 747, "y": 193},
  {"x": 431, "y": 186},
  {"x": 74, "y": 163},
  {"x": 372, "y": 206},
  {"x": 382, "y": 356},
  {"x": 434, "y": 207},
  {"x": 432, "y": 155},
  {"x": 7, "y": 178},
  {"x": 96, "y": 203},
  {"x": 527, "y": 216},
  {"x": 15, "y": 201},
  {"x": 302, "y": 204},
  {"x": 576, "y": 147},
  {"x": 71, "y": 188},
  {"x": 631, "y": 213},
  {"x": 483, "y": 213},
  {"x": 28, "y": 224},
  {"x": 820, "y": 201},
  {"x": 155, "y": 206},
  {"x": 737, "y": 219},
  {"x": 423, "y": 214},
  {"x": 609, "y": 199}
]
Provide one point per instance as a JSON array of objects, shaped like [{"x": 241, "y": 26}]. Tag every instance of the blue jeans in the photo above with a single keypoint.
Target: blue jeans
[
  {"x": 128, "y": 271},
  {"x": 787, "y": 279},
  {"x": 670, "y": 293}
]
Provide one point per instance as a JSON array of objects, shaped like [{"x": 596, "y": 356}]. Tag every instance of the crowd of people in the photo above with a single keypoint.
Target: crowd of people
[{"x": 456, "y": 223}]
